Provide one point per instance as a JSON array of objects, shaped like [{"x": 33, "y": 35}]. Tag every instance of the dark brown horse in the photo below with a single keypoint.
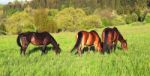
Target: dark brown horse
[
  {"x": 88, "y": 39},
  {"x": 39, "y": 39},
  {"x": 110, "y": 37}
]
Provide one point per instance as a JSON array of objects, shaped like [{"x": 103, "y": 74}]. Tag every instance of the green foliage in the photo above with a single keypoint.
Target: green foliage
[
  {"x": 53, "y": 12},
  {"x": 12, "y": 8},
  {"x": 106, "y": 16},
  {"x": 1, "y": 6},
  {"x": 130, "y": 18},
  {"x": 73, "y": 15},
  {"x": 2, "y": 29},
  {"x": 106, "y": 22},
  {"x": 121, "y": 6},
  {"x": 70, "y": 19},
  {"x": 42, "y": 21},
  {"x": 10, "y": 11},
  {"x": 118, "y": 20},
  {"x": 1, "y": 10},
  {"x": 147, "y": 19},
  {"x": 19, "y": 22},
  {"x": 91, "y": 21}
]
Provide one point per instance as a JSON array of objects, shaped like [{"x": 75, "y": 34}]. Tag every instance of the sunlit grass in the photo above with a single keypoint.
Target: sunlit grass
[{"x": 134, "y": 62}]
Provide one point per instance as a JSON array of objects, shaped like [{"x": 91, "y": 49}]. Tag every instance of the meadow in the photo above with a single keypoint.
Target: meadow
[{"x": 134, "y": 62}]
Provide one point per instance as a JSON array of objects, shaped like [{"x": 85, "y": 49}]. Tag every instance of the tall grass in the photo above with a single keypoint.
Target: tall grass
[{"x": 134, "y": 62}]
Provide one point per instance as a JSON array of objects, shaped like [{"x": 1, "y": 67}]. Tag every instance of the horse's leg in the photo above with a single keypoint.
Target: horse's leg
[
  {"x": 108, "y": 47},
  {"x": 114, "y": 46},
  {"x": 21, "y": 49},
  {"x": 44, "y": 49},
  {"x": 24, "y": 49},
  {"x": 80, "y": 50},
  {"x": 111, "y": 47},
  {"x": 95, "y": 46},
  {"x": 77, "y": 50}
]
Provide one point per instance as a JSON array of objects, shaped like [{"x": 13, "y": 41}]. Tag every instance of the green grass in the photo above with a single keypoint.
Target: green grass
[{"x": 134, "y": 62}]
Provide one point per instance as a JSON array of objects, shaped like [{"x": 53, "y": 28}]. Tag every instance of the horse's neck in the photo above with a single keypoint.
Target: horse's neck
[
  {"x": 53, "y": 41},
  {"x": 120, "y": 37}
]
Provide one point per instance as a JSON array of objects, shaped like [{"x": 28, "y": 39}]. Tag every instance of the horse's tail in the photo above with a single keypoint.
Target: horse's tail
[
  {"x": 18, "y": 40},
  {"x": 79, "y": 38},
  {"x": 105, "y": 45}
]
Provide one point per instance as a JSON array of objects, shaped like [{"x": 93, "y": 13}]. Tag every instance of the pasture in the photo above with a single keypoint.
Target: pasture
[{"x": 134, "y": 62}]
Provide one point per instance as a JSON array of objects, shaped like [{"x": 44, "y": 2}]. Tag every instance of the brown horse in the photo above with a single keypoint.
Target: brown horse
[
  {"x": 39, "y": 39},
  {"x": 110, "y": 37},
  {"x": 85, "y": 38}
]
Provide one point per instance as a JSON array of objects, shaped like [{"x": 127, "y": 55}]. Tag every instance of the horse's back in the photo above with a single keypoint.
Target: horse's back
[
  {"x": 90, "y": 39},
  {"x": 97, "y": 38}
]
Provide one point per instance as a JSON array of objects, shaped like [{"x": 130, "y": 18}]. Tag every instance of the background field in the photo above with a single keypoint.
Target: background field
[{"x": 134, "y": 62}]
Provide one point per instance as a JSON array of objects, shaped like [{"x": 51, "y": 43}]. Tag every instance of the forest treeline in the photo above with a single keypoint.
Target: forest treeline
[
  {"x": 70, "y": 15},
  {"x": 121, "y": 6}
]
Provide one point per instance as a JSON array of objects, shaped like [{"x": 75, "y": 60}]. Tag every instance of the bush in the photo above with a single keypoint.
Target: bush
[
  {"x": 147, "y": 18},
  {"x": 92, "y": 21},
  {"x": 19, "y": 22},
  {"x": 42, "y": 21},
  {"x": 52, "y": 12},
  {"x": 109, "y": 17},
  {"x": 106, "y": 16},
  {"x": 106, "y": 22},
  {"x": 2, "y": 29},
  {"x": 118, "y": 20},
  {"x": 130, "y": 18},
  {"x": 70, "y": 19}
]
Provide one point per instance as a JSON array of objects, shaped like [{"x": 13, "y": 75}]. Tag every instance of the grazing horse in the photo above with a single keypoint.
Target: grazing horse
[
  {"x": 110, "y": 37},
  {"x": 85, "y": 38},
  {"x": 39, "y": 39}
]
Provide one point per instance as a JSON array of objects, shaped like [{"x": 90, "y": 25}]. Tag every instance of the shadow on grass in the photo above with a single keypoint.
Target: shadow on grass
[
  {"x": 119, "y": 48},
  {"x": 85, "y": 49},
  {"x": 36, "y": 49}
]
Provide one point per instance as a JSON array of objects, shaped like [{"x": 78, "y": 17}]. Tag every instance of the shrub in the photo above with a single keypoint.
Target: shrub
[
  {"x": 19, "y": 22},
  {"x": 147, "y": 18},
  {"x": 109, "y": 17},
  {"x": 52, "y": 12},
  {"x": 106, "y": 22},
  {"x": 92, "y": 21},
  {"x": 118, "y": 20},
  {"x": 130, "y": 18},
  {"x": 70, "y": 19},
  {"x": 42, "y": 21},
  {"x": 106, "y": 16},
  {"x": 2, "y": 29}
]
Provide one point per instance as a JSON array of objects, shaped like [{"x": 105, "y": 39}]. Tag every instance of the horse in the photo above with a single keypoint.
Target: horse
[
  {"x": 41, "y": 39},
  {"x": 110, "y": 37},
  {"x": 84, "y": 38}
]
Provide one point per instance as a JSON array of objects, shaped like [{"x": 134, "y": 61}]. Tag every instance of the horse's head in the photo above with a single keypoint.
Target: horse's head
[
  {"x": 58, "y": 49},
  {"x": 124, "y": 45}
]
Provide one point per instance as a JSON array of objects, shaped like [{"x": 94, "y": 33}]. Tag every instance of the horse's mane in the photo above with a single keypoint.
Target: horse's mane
[
  {"x": 54, "y": 42},
  {"x": 120, "y": 35}
]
